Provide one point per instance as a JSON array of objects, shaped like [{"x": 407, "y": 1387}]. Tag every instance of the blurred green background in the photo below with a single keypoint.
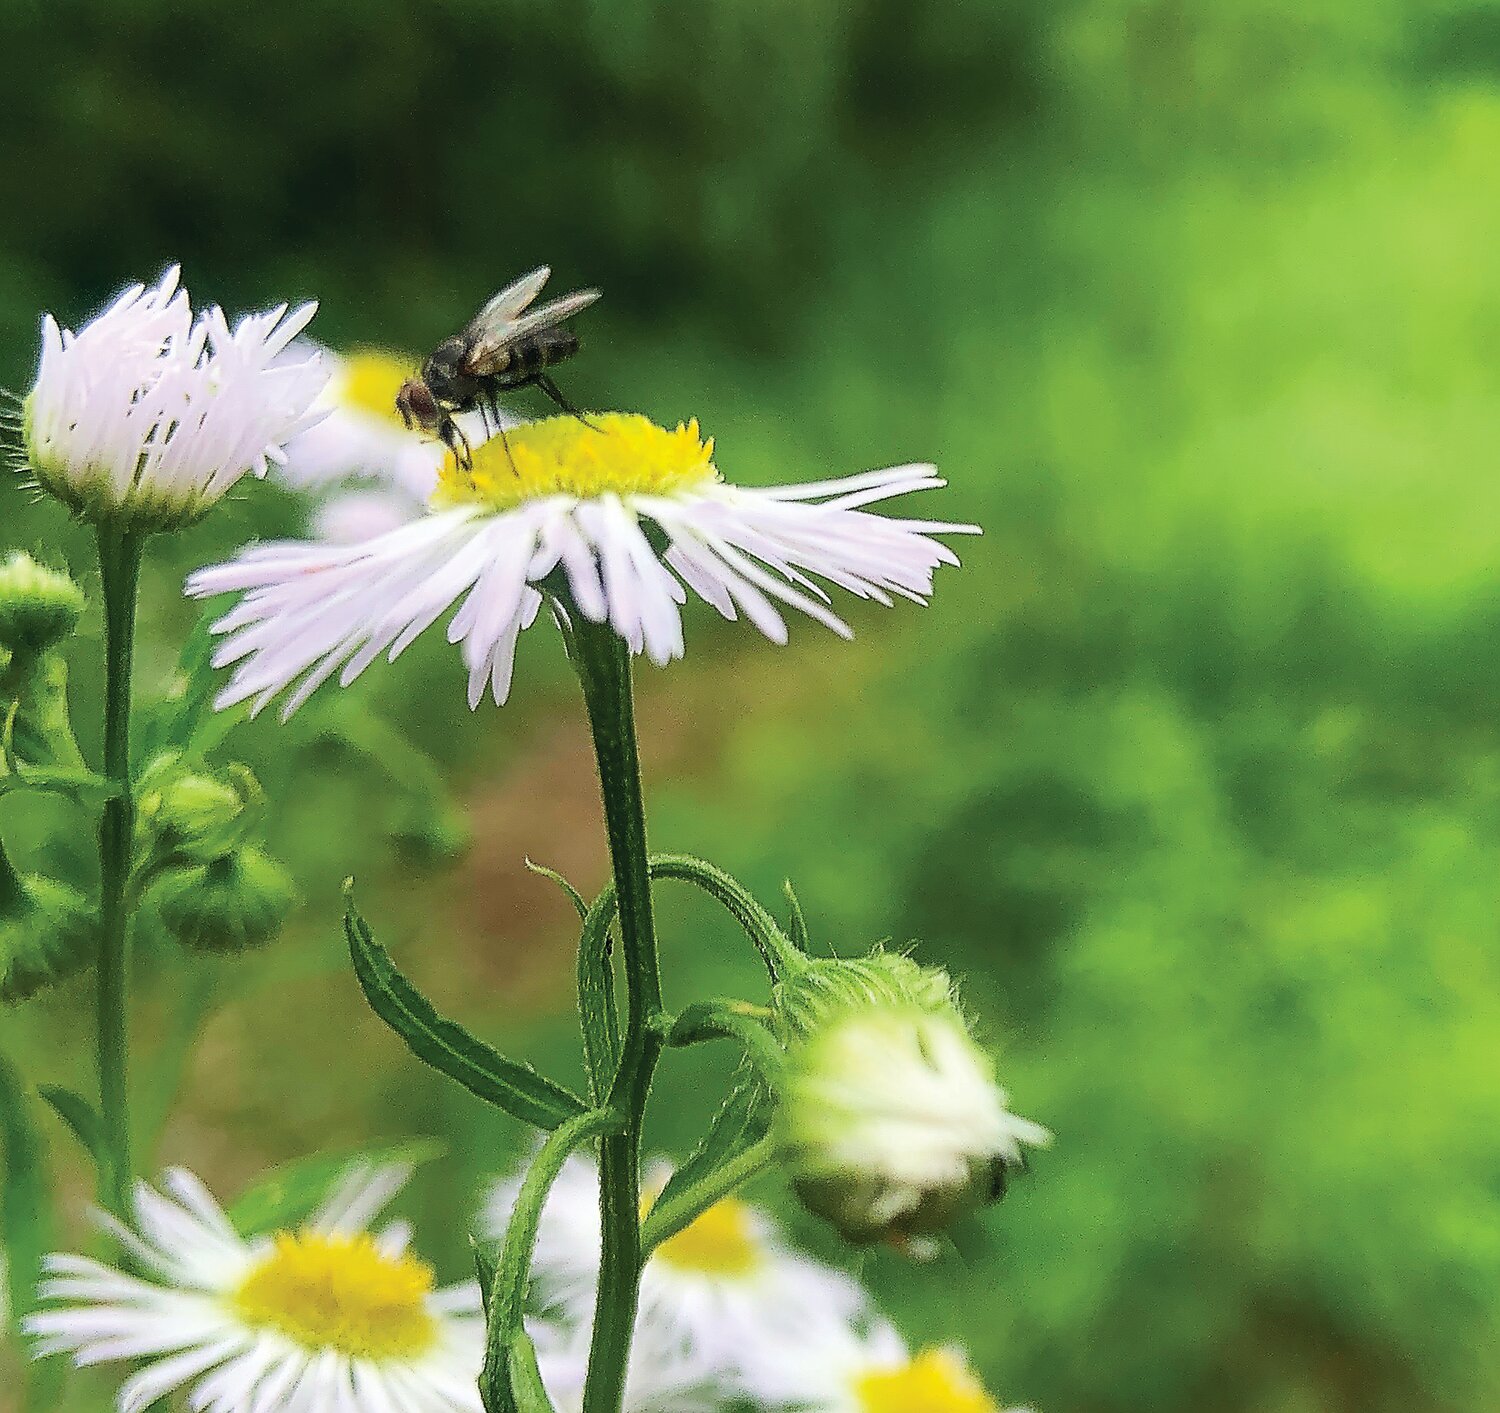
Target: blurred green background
[{"x": 1193, "y": 769}]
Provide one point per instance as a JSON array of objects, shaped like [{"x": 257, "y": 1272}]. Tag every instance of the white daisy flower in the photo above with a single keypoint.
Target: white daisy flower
[
  {"x": 616, "y": 521},
  {"x": 723, "y": 1286},
  {"x": 148, "y": 415},
  {"x": 871, "y": 1370},
  {"x": 327, "y": 1317}
]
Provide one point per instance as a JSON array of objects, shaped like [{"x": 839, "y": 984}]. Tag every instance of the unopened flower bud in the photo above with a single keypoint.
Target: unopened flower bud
[
  {"x": 47, "y": 933},
  {"x": 198, "y": 815},
  {"x": 889, "y": 1116},
  {"x": 39, "y": 607},
  {"x": 229, "y": 904}
]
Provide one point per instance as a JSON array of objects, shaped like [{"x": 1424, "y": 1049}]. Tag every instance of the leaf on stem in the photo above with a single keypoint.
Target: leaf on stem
[
  {"x": 739, "y": 1123},
  {"x": 508, "y": 1084}
]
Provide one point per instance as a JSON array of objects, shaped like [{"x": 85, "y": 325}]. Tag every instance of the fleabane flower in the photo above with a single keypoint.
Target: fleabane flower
[
  {"x": 871, "y": 1370},
  {"x": 148, "y": 414},
  {"x": 889, "y": 1115},
  {"x": 616, "y": 520},
  {"x": 330, "y": 1316},
  {"x": 721, "y": 1291}
]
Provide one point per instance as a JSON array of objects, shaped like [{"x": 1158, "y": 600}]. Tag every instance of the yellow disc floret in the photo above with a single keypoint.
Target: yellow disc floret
[
  {"x": 720, "y": 1242},
  {"x": 370, "y": 380},
  {"x": 619, "y": 452},
  {"x": 341, "y": 1293},
  {"x": 936, "y": 1381}
]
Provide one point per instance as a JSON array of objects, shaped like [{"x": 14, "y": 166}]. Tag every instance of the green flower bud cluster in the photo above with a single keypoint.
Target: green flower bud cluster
[
  {"x": 889, "y": 1115},
  {"x": 213, "y": 886},
  {"x": 47, "y": 933}
]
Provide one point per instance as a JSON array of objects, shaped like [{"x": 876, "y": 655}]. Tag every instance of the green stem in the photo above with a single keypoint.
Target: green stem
[
  {"x": 602, "y": 661},
  {"x": 506, "y": 1298},
  {"x": 120, "y": 567}
]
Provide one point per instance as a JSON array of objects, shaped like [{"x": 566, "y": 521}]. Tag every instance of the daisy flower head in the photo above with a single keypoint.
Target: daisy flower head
[
  {"x": 721, "y": 1291},
  {"x": 329, "y": 1316},
  {"x": 148, "y": 414},
  {"x": 616, "y": 520}
]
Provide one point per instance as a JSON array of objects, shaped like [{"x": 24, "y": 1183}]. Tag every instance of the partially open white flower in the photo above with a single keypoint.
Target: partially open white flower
[
  {"x": 617, "y": 521},
  {"x": 723, "y": 1290},
  {"x": 147, "y": 415},
  {"x": 892, "y": 1123},
  {"x": 327, "y": 1317}
]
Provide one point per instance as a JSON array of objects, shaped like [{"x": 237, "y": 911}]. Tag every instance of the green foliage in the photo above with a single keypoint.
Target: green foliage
[{"x": 1192, "y": 772}]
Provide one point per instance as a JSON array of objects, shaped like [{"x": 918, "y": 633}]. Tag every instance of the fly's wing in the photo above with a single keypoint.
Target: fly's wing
[
  {"x": 484, "y": 356},
  {"x": 488, "y": 331}
]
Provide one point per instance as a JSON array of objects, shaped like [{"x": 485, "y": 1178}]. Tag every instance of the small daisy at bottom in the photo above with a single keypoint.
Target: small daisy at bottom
[{"x": 330, "y": 1316}]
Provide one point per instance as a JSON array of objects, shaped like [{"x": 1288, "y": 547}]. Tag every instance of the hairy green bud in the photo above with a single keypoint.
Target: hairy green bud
[
  {"x": 228, "y": 904},
  {"x": 889, "y": 1116},
  {"x": 39, "y": 607}
]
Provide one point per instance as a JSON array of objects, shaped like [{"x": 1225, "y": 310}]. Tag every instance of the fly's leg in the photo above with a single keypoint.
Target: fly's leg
[
  {"x": 453, "y": 438},
  {"x": 551, "y": 389}
]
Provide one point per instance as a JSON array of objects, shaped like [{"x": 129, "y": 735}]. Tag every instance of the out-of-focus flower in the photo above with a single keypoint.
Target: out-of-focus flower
[
  {"x": 147, "y": 415},
  {"x": 361, "y": 437},
  {"x": 891, "y": 1122},
  {"x": 662, "y": 1377},
  {"x": 370, "y": 472},
  {"x": 723, "y": 1290},
  {"x": 618, "y": 520},
  {"x": 323, "y": 1318},
  {"x": 871, "y": 1370},
  {"x": 39, "y": 607}
]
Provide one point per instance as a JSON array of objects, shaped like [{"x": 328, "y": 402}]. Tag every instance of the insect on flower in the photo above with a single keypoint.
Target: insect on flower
[{"x": 504, "y": 347}]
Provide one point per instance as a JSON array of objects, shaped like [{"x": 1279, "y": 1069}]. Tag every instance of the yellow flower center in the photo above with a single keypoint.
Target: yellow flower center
[
  {"x": 343, "y": 1293},
  {"x": 719, "y": 1242},
  {"x": 371, "y": 380},
  {"x": 936, "y": 1381},
  {"x": 621, "y": 452}
]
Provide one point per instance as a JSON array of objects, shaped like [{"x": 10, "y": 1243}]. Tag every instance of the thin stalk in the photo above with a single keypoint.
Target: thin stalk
[
  {"x": 120, "y": 567},
  {"x": 602, "y": 661}
]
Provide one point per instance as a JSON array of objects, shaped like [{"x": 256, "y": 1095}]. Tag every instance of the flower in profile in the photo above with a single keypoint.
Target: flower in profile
[
  {"x": 889, "y": 1115},
  {"x": 722, "y": 1291},
  {"x": 147, "y": 415},
  {"x": 328, "y": 1316},
  {"x": 615, "y": 521},
  {"x": 871, "y": 1370}
]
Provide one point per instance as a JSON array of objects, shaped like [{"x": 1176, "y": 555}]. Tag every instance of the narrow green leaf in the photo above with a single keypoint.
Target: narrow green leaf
[
  {"x": 798, "y": 922},
  {"x": 574, "y": 896},
  {"x": 289, "y": 1194},
  {"x": 527, "y": 1388},
  {"x": 445, "y": 1045},
  {"x": 184, "y": 720},
  {"x": 25, "y": 1195},
  {"x": 79, "y": 1115}
]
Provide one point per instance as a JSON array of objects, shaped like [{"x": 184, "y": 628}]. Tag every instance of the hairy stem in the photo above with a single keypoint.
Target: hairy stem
[
  {"x": 120, "y": 565},
  {"x": 602, "y": 661}
]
